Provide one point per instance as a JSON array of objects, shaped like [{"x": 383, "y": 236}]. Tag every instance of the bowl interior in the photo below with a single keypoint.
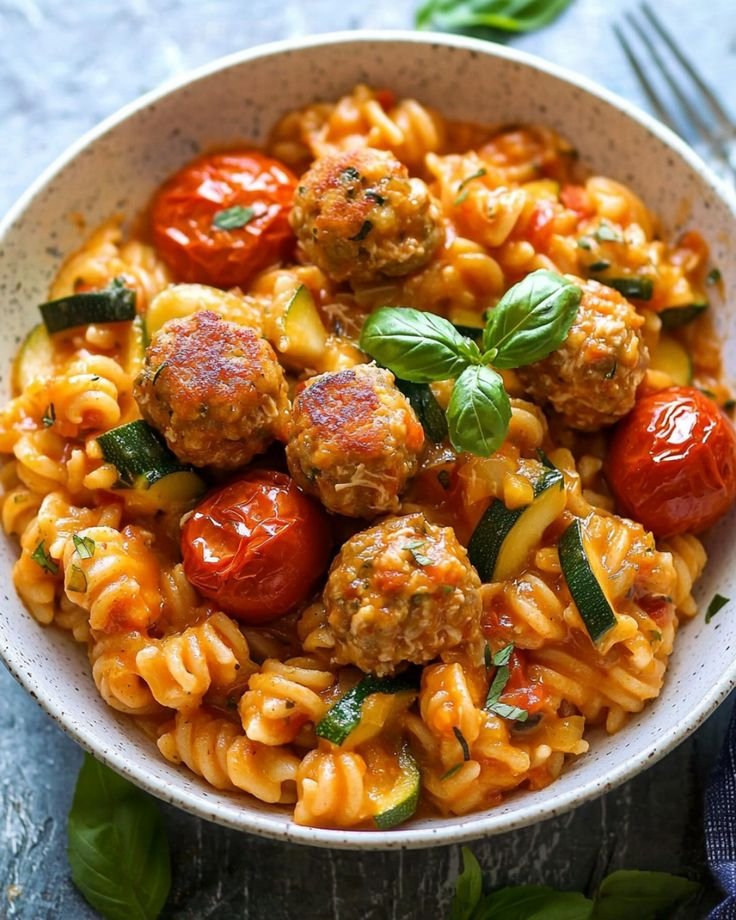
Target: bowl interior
[{"x": 115, "y": 171}]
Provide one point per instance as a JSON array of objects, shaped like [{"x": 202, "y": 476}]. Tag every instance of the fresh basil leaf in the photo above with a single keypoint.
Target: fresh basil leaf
[
  {"x": 233, "y": 218},
  {"x": 531, "y": 320},
  {"x": 468, "y": 888},
  {"x": 117, "y": 846},
  {"x": 42, "y": 558},
  {"x": 85, "y": 546},
  {"x": 429, "y": 412},
  {"x": 462, "y": 742},
  {"x": 503, "y": 656},
  {"x": 641, "y": 895},
  {"x": 715, "y": 605},
  {"x": 462, "y": 189},
  {"x": 416, "y": 346},
  {"x": 534, "y": 902},
  {"x": 505, "y": 15},
  {"x": 479, "y": 412}
]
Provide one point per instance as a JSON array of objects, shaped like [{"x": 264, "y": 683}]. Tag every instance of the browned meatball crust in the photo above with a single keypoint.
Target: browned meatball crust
[
  {"x": 591, "y": 380},
  {"x": 358, "y": 216},
  {"x": 402, "y": 591},
  {"x": 214, "y": 390},
  {"x": 354, "y": 441}
]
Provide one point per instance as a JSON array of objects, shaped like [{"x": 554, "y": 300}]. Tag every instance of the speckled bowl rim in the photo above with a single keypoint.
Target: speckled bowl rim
[{"x": 453, "y": 830}]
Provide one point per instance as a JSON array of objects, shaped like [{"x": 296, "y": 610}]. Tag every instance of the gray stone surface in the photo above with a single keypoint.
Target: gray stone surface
[{"x": 65, "y": 65}]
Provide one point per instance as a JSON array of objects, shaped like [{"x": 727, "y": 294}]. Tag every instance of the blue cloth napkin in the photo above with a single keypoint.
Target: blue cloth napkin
[{"x": 720, "y": 825}]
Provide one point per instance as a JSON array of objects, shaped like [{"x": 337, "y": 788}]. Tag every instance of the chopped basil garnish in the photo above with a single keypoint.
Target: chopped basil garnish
[
  {"x": 49, "y": 416},
  {"x": 363, "y": 232},
  {"x": 374, "y": 196},
  {"x": 233, "y": 218},
  {"x": 350, "y": 174},
  {"x": 718, "y": 602},
  {"x": 161, "y": 367},
  {"x": 42, "y": 558},
  {"x": 451, "y": 772},
  {"x": 501, "y": 660},
  {"x": 655, "y": 635},
  {"x": 463, "y": 187},
  {"x": 443, "y": 478},
  {"x": 415, "y": 547},
  {"x": 488, "y": 657},
  {"x": 76, "y": 580},
  {"x": 713, "y": 276},
  {"x": 584, "y": 243},
  {"x": 607, "y": 234},
  {"x": 85, "y": 546},
  {"x": 600, "y": 266},
  {"x": 462, "y": 742}
]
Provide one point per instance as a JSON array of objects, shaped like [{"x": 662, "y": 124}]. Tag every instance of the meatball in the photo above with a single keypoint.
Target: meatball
[
  {"x": 215, "y": 390},
  {"x": 402, "y": 591},
  {"x": 591, "y": 379},
  {"x": 354, "y": 441},
  {"x": 358, "y": 216}
]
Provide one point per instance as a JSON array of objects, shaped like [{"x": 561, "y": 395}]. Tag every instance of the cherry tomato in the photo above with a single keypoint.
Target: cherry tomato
[
  {"x": 672, "y": 463},
  {"x": 186, "y": 205},
  {"x": 256, "y": 546}
]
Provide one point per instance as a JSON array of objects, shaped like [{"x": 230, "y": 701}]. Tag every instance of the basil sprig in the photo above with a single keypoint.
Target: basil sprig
[
  {"x": 117, "y": 846},
  {"x": 531, "y": 320}
]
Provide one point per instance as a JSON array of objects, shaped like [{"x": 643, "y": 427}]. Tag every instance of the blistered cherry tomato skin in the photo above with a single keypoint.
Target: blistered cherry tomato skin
[
  {"x": 672, "y": 462},
  {"x": 256, "y": 546},
  {"x": 185, "y": 207}
]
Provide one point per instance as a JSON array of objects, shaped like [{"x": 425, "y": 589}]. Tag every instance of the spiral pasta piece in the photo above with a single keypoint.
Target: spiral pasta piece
[
  {"x": 331, "y": 789},
  {"x": 117, "y": 677},
  {"x": 181, "y": 669},
  {"x": 115, "y": 577},
  {"x": 282, "y": 697}
]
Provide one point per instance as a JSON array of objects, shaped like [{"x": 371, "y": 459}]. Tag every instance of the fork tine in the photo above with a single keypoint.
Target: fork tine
[
  {"x": 646, "y": 83},
  {"x": 719, "y": 112},
  {"x": 690, "y": 111}
]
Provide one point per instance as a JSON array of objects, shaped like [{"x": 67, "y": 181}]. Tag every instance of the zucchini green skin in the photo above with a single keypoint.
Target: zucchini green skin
[
  {"x": 428, "y": 410},
  {"x": 344, "y": 715},
  {"x": 633, "y": 286},
  {"x": 674, "y": 317},
  {"x": 140, "y": 454},
  {"x": 113, "y": 304},
  {"x": 586, "y": 591},
  {"x": 493, "y": 528},
  {"x": 405, "y": 796}
]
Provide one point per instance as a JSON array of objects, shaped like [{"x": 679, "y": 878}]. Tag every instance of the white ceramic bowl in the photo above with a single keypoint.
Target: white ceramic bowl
[{"x": 116, "y": 167}]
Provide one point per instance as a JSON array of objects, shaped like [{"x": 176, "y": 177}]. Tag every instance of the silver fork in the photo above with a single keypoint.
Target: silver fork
[{"x": 693, "y": 106}]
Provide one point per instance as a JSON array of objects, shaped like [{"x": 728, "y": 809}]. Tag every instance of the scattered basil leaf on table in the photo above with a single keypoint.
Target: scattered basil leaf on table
[
  {"x": 627, "y": 893},
  {"x": 531, "y": 320},
  {"x": 468, "y": 888},
  {"x": 117, "y": 846},
  {"x": 505, "y": 15},
  {"x": 641, "y": 895}
]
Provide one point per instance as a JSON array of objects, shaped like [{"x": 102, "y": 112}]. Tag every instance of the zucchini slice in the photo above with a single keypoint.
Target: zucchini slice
[
  {"x": 583, "y": 575},
  {"x": 631, "y": 286},
  {"x": 113, "y": 304},
  {"x": 344, "y": 715},
  {"x": 146, "y": 464},
  {"x": 35, "y": 358},
  {"x": 304, "y": 334},
  {"x": 670, "y": 357},
  {"x": 674, "y": 317},
  {"x": 428, "y": 410},
  {"x": 501, "y": 542},
  {"x": 400, "y": 802}
]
